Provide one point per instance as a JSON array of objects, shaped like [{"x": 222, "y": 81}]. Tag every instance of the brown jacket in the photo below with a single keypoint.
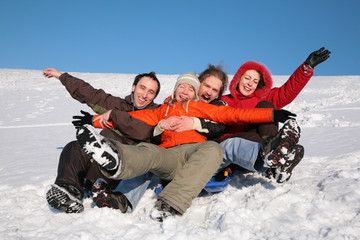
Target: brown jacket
[{"x": 133, "y": 129}]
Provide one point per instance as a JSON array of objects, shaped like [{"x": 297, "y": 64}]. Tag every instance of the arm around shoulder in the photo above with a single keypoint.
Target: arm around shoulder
[{"x": 131, "y": 127}]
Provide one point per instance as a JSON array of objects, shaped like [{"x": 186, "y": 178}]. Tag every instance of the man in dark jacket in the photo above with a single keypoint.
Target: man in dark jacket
[{"x": 75, "y": 169}]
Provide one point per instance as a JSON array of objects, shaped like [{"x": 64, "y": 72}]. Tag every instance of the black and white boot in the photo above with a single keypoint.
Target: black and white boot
[
  {"x": 275, "y": 149},
  {"x": 65, "y": 198},
  {"x": 101, "y": 150},
  {"x": 283, "y": 173},
  {"x": 104, "y": 197}
]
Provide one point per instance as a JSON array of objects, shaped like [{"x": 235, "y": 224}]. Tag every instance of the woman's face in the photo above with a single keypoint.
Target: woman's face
[
  {"x": 184, "y": 92},
  {"x": 248, "y": 82}
]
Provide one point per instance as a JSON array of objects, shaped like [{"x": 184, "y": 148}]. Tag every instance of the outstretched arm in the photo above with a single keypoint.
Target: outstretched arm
[
  {"x": 130, "y": 127},
  {"x": 285, "y": 94},
  {"x": 317, "y": 57},
  {"x": 230, "y": 115},
  {"x": 51, "y": 72},
  {"x": 85, "y": 93}
]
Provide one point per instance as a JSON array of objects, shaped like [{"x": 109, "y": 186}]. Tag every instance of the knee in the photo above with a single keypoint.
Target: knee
[
  {"x": 264, "y": 104},
  {"x": 73, "y": 151},
  {"x": 108, "y": 133},
  {"x": 72, "y": 146},
  {"x": 214, "y": 149}
]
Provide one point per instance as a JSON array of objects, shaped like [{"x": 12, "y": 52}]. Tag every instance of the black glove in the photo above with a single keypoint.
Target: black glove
[
  {"x": 282, "y": 115},
  {"x": 82, "y": 120},
  {"x": 317, "y": 57}
]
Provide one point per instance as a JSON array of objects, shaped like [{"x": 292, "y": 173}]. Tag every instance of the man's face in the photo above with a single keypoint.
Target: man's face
[
  {"x": 209, "y": 89},
  {"x": 144, "y": 92}
]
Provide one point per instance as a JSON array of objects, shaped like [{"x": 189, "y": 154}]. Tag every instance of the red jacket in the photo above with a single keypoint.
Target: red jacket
[
  {"x": 279, "y": 96},
  {"x": 221, "y": 114}
]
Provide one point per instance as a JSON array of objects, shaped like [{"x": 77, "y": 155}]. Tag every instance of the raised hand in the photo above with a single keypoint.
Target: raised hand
[
  {"x": 317, "y": 57},
  {"x": 51, "y": 72}
]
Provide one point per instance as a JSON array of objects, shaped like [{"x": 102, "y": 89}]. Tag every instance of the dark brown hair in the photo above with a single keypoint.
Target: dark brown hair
[
  {"x": 151, "y": 75},
  {"x": 261, "y": 83},
  {"x": 217, "y": 72}
]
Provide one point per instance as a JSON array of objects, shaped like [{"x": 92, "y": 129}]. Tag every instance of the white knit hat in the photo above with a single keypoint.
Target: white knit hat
[{"x": 190, "y": 79}]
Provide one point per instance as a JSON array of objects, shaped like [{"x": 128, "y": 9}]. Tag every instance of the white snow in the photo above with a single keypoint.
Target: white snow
[{"x": 321, "y": 200}]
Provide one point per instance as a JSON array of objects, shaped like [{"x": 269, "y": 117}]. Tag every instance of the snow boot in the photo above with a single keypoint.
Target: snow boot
[
  {"x": 283, "y": 173},
  {"x": 104, "y": 197},
  {"x": 162, "y": 210},
  {"x": 65, "y": 197},
  {"x": 275, "y": 149},
  {"x": 101, "y": 150}
]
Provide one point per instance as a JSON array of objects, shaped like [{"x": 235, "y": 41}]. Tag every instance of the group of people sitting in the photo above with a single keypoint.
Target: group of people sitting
[{"x": 194, "y": 135}]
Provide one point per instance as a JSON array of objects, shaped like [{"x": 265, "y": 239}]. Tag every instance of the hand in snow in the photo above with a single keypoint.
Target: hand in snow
[
  {"x": 51, "y": 72},
  {"x": 282, "y": 115},
  {"x": 317, "y": 57},
  {"x": 82, "y": 120}
]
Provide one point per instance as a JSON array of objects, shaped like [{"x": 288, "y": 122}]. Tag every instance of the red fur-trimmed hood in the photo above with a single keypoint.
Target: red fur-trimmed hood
[{"x": 251, "y": 65}]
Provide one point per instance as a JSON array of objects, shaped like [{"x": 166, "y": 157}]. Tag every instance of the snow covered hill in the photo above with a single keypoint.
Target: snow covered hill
[{"x": 321, "y": 201}]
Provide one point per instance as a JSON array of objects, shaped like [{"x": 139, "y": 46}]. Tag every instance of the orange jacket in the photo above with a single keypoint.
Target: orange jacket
[{"x": 220, "y": 114}]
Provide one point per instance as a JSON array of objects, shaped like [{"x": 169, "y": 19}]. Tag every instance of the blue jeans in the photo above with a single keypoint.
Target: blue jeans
[
  {"x": 237, "y": 151},
  {"x": 135, "y": 188},
  {"x": 241, "y": 152}
]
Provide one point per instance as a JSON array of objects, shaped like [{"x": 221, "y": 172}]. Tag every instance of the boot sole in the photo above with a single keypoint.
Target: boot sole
[
  {"x": 60, "y": 199},
  {"x": 283, "y": 173},
  {"x": 290, "y": 134}
]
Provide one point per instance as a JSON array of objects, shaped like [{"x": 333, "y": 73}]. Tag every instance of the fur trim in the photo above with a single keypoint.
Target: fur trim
[{"x": 251, "y": 65}]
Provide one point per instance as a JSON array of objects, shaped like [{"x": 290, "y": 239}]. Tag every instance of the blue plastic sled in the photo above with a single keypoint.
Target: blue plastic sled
[{"x": 211, "y": 187}]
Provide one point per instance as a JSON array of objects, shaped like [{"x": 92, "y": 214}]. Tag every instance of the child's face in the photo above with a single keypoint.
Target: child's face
[{"x": 185, "y": 92}]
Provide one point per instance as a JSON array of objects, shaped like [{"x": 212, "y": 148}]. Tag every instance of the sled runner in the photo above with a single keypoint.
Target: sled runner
[{"x": 213, "y": 186}]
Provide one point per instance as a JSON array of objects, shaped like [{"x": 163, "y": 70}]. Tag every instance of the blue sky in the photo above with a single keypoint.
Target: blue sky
[{"x": 173, "y": 37}]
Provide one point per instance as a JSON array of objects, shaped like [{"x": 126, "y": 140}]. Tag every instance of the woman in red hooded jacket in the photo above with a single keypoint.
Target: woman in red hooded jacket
[{"x": 251, "y": 87}]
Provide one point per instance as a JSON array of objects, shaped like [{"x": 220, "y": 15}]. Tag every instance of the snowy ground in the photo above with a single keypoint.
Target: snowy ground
[{"x": 321, "y": 201}]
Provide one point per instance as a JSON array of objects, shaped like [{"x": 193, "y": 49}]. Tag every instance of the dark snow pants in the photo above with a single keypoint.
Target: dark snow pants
[{"x": 75, "y": 166}]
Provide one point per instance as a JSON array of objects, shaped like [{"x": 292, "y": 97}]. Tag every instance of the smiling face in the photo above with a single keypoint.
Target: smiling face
[
  {"x": 248, "y": 82},
  {"x": 209, "y": 89},
  {"x": 144, "y": 92},
  {"x": 184, "y": 92}
]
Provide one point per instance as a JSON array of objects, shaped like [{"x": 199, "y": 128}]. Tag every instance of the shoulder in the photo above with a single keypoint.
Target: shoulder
[
  {"x": 218, "y": 102},
  {"x": 228, "y": 98},
  {"x": 153, "y": 105}
]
